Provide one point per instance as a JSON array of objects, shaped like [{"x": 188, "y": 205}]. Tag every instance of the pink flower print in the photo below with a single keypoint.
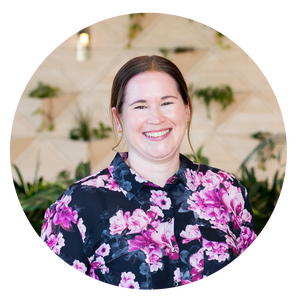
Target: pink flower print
[
  {"x": 160, "y": 198},
  {"x": 226, "y": 177},
  {"x": 234, "y": 203},
  {"x": 138, "y": 178},
  {"x": 247, "y": 236},
  {"x": 246, "y": 216},
  {"x": 154, "y": 212},
  {"x": 64, "y": 214},
  {"x": 216, "y": 250},
  {"x": 87, "y": 177},
  {"x": 197, "y": 262},
  {"x": 153, "y": 256},
  {"x": 138, "y": 221},
  {"x": 82, "y": 228},
  {"x": 138, "y": 243},
  {"x": 103, "y": 250},
  {"x": 177, "y": 276},
  {"x": 194, "y": 179},
  {"x": 99, "y": 263},
  {"x": 46, "y": 227},
  {"x": 196, "y": 203},
  {"x": 172, "y": 251},
  {"x": 119, "y": 222},
  {"x": 127, "y": 281},
  {"x": 96, "y": 182},
  {"x": 211, "y": 180},
  {"x": 80, "y": 266},
  {"x": 111, "y": 185},
  {"x": 232, "y": 244},
  {"x": 191, "y": 233},
  {"x": 55, "y": 243}
]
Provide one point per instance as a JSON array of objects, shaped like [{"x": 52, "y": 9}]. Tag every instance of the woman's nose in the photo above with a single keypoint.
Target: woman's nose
[{"x": 155, "y": 116}]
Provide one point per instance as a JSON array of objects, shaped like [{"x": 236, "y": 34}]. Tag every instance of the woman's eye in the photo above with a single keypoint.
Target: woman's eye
[
  {"x": 167, "y": 103},
  {"x": 140, "y": 107}
]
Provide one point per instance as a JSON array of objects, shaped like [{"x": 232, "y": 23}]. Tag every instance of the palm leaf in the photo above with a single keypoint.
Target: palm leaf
[
  {"x": 264, "y": 150},
  {"x": 21, "y": 187}
]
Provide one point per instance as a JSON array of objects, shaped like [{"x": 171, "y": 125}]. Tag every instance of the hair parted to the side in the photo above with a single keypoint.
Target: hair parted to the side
[{"x": 141, "y": 64}]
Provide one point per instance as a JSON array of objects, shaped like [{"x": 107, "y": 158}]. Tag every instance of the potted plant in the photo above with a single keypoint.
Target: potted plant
[{"x": 47, "y": 93}]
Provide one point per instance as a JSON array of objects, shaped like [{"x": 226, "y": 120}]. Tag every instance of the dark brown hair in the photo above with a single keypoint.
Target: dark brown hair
[{"x": 142, "y": 64}]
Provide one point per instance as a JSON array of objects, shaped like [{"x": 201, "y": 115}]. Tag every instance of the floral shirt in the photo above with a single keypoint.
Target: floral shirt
[{"x": 118, "y": 228}]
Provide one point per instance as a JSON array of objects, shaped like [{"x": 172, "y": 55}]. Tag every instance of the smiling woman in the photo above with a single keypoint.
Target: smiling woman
[{"x": 153, "y": 219}]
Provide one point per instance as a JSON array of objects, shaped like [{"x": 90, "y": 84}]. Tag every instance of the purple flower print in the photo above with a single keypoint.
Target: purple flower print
[
  {"x": 247, "y": 236},
  {"x": 119, "y": 222},
  {"x": 216, "y": 250},
  {"x": 64, "y": 214},
  {"x": 96, "y": 182},
  {"x": 127, "y": 281},
  {"x": 160, "y": 199},
  {"x": 103, "y": 250},
  {"x": 194, "y": 179},
  {"x": 191, "y": 233},
  {"x": 80, "y": 266}
]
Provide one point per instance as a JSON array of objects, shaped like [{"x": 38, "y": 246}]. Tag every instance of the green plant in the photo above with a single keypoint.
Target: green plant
[
  {"x": 222, "y": 95},
  {"x": 135, "y": 26},
  {"x": 263, "y": 197},
  {"x": 270, "y": 146},
  {"x": 203, "y": 160},
  {"x": 37, "y": 196},
  {"x": 84, "y": 130},
  {"x": 45, "y": 91},
  {"x": 102, "y": 131},
  {"x": 180, "y": 49},
  {"x": 219, "y": 37}
]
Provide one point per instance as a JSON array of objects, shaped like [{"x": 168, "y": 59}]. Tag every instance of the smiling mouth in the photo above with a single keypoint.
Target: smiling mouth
[{"x": 157, "y": 134}]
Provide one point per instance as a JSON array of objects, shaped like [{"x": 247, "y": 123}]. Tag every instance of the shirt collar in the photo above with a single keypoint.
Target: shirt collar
[{"x": 131, "y": 183}]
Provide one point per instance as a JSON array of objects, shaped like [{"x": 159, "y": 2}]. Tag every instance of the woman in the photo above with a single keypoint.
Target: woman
[{"x": 152, "y": 219}]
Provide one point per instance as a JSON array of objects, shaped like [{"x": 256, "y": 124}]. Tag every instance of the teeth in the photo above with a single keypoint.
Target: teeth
[{"x": 157, "y": 134}]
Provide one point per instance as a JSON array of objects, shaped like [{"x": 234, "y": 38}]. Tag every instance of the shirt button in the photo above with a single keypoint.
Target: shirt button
[
  {"x": 175, "y": 283},
  {"x": 173, "y": 249},
  {"x": 169, "y": 219}
]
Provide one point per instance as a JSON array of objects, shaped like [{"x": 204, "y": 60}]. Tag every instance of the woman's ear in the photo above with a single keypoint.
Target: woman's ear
[
  {"x": 187, "y": 110},
  {"x": 118, "y": 125}
]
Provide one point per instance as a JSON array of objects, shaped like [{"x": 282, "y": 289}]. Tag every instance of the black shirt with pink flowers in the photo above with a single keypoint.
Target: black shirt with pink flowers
[{"x": 119, "y": 228}]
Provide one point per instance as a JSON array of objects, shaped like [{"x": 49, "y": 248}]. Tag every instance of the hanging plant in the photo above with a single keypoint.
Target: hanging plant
[
  {"x": 135, "y": 26},
  {"x": 219, "y": 38},
  {"x": 222, "y": 95},
  {"x": 180, "y": 49},
  {"x": 44, "y": 91},
  {"x": 83, "y": 131}
]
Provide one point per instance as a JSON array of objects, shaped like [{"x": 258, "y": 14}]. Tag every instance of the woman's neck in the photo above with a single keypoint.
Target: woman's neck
[{"x": 157, "y": 172}]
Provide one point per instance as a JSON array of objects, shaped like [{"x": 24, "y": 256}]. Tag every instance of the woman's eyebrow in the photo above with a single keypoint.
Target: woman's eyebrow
[{"x": 144, "y": 101}]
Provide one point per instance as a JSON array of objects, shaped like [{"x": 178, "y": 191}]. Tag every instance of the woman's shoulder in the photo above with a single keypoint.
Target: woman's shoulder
[{"x": 87, "y": 185}]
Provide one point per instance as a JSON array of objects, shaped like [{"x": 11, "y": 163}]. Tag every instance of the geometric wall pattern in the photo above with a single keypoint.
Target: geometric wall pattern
[{"x": 225, "y": 136}]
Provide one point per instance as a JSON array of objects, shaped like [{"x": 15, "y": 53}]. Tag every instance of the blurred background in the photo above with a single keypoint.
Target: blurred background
[{"x": 62, "y": 130}]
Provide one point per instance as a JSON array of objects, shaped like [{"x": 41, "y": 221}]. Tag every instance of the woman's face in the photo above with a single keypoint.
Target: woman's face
[{"x": 154, "y": 117}]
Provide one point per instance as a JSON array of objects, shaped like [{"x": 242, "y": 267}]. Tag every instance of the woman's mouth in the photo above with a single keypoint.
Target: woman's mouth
[{"x": 157, "y": 134}]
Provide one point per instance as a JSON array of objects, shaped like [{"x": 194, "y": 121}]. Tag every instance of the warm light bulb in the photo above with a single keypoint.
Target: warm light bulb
[{"x": 84, "y": 39}]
